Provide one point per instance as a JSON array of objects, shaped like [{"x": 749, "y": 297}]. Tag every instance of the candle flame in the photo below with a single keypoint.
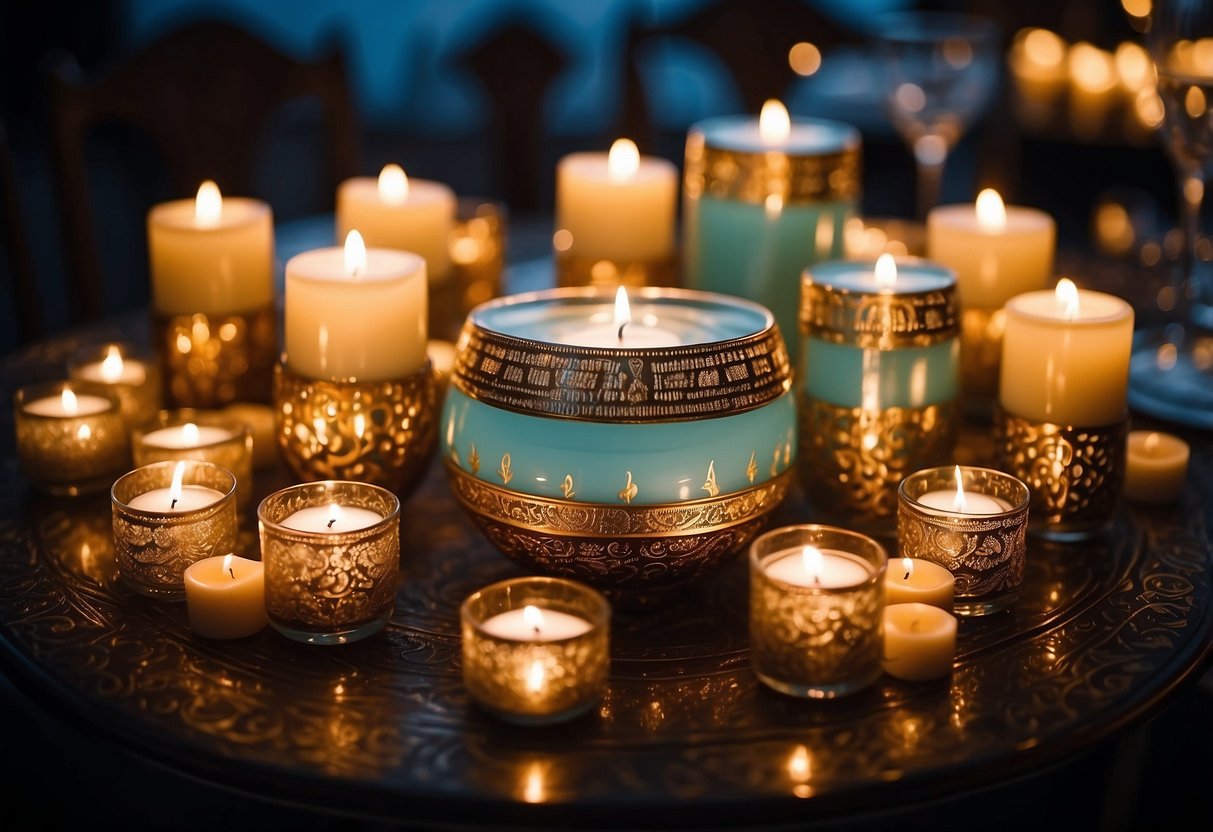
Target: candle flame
[
  {"x": 1067, "y": 298},
  {"x": 112, "y": 366},
  {"x": 533, "y": 791},
  {"x": 174, "y": 490},
  {"x": 886, "y": 271},
  {"x": 907, "y": 564},
  {"x": 334, "y": 514},
  {"x": 393, "y": 185},
  {"x": 534, "y": 676},
  {"x": 991, "y": 212},
  {"x": 189, "y": 433},
  {"x": 1150, "y": 446},
  {"x": 623, "y": 161},
  {"x": 774, "y": 124},
  {"x": 533, "y": 616},
  {"x": 799, "y": 764},
  {"x": 623, "y": 310},
  {"x": 959, "y": 502},
  {"x": 208, "y": 205},
  {"x": 813, "y": 562},
  {"x": 70, "y": 406},
  {"x": 227, "y": 566},
  {"x": 355, "y": 254}
]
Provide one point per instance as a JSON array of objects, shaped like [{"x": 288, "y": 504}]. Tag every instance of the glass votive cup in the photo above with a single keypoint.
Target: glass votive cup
[
  {"x": 536, "y": 650},
  {"x": 986, "y": 551},
  {"x": 214, "y": 438},
  {"x": 815, "y": 619},
  {"x": 158, "y": 533},
  {"x": 330, "y": 581},
  {"x": 134, "y": 377},
  {"x": 71, "y": 437}
]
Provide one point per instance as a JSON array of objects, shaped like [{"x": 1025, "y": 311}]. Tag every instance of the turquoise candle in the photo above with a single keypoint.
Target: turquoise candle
[{"x": 761, "y": 206}]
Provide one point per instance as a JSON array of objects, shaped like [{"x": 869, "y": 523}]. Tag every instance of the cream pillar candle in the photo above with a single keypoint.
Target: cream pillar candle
[
  {"x": 211, "y": 254},
  {"x": 916, "y": 580},
  {"x": 400, "y": 212},
  {"x": 355, "y": 313},
  {"x": 996, "y": 251},
  {"x": 1156, "y": 467},
  {"x": 919, "y": 642},
  {"x": 618, "y": 206},
  {"x": 1065, "y": 356},
  {"x": 225, "y": 596}
]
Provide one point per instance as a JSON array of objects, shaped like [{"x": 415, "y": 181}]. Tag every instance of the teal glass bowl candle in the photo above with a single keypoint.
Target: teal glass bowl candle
[{"x": 634, "y": 464}]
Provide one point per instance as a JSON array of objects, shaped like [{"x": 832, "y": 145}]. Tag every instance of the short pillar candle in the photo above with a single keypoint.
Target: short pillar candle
[
  {"x": 1156, "y": 467},
  {"x": 225, "y": 597},
  {"x": 919, "y": 641},
  {"x": 914, "y": 580}
]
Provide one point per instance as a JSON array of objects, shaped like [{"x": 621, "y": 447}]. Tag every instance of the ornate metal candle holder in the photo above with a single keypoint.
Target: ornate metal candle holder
[
  {"x": 226, "y": 442},
  {"x": 634, "y": 470},
  {"x": 378, "y": 432},
  {"x": 325, "y": 586},
  {"x": 70, "y": 447},
  {"x": 209, "y": 361},
  {"x": 134, "y": 378},
  {"x": 523, "y": 676},
  {"x": 984, "y": 552},
  {"x": 980, "y": 358},
  {"x": 154, "y": 547}
]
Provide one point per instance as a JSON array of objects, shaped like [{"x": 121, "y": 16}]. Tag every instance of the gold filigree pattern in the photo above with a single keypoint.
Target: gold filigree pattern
[
  {"x": 630, "y": 490},
  {"x": 505, "y": 469},
  {"x": 751, "y": 468},
  {"x": 380, "y": 432},
  {"x": 234, "y": 453},
  {"x": 870, "y": 320},
  {"x": 76, "y": 455},
  {"x": 980, "y": 350},
  {"x": 211, "y": 361},
  {"x": 566, "y": 487},
  {"x": 709, "y": 484}
]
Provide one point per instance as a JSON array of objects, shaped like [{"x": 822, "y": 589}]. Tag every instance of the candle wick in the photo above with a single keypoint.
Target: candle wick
[
  {"x": 621, "y": 326},
  {"x": 914, "y": 626},
  {"x": 906, "y": 577},
  {"x": 536, "y": 628},
  {"x": 173, "y": 504},
  {"x": 331, "y": 522},
  {"x": 232, "y": 572}
]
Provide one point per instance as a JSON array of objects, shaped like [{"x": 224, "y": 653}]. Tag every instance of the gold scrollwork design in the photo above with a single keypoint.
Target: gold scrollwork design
[
  {"x": 566, "y": 487},
  {"x": 751, "y": 468},
  {"x": 709, "y": 484}
]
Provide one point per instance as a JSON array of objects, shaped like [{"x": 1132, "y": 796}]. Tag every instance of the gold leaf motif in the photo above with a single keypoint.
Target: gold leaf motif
[
  {"x": 504, "y": 470},
  {"x": 474, "y": 460},
  {"x": 787, "y": 453},
  {"x": 629, "y": 490},
  {"x": 775, "y": 462},
  {"x": 567, "y": 487},
  {"x": 751, "y": 469},
  {"x": 710, "y": 485}
]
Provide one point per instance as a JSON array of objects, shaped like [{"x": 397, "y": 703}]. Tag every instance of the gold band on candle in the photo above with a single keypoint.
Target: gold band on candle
[
  {"x": 212, "y": 360},
  {"x": 872, "y": 320},
  {"x": 235, "y": 452},
  {"x": 70, "y": 454},
  {"x": 574, "y": 270}
]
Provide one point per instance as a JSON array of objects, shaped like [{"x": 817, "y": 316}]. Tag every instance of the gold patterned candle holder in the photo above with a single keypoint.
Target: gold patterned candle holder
[
  {"x": 378, "y": 432},
  {"x": 575, "y": 270},
  {"x": 984, "y": 552},
  {"x": 221, "y": 440},
  {"x": 324, "y": 585},
  {"x": 209, "y": 361},
  {"x": 536, "y": 650},
  {"x": 981, "y": 358},
  {"x": 133, "y": 377},
  {"x": 1075, "y": 474},
  {"x": 154, "y": 545},
  {"x": 71, "y": 437},
  {"x": 816, "y": 599}
]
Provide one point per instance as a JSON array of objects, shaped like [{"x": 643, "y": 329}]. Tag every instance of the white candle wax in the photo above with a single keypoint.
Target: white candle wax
[
  {"x": 114, "y": 369},
  {"x": 974, "y": 503},
  {"x": 919, "y": 641},
  {"x": 915, "y": 580},
  {"x": 69, "y": 406},
  {"x": 225, "y": 596},
  {"x": 367, "y": 323},
  {"x": 191, "y": 498},
  {"x": 615, "y": 329},
  {"x": 332, "y": 519},
  {"x": 811, "y": 567},
  {"x": 618, "y": 206},
  {"x": 534, "y": 623},
  {"x": 1156, "y": 467},
  {"x": 186, "y": 436}
]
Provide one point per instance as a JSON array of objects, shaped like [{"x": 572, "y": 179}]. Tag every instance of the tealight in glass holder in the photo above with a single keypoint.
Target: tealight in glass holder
[
  {"x": 168, "y": 515},
  {"x": 71, "y": 437},
  {"x": 536, "y": 650},
  {"x": 133, "y": 377},
  {"x": 331, "y": 552},
  {"x": 817, "y": 595},
  {"x": 191, "y": 434},
  {"x": 976, "y": 529}
]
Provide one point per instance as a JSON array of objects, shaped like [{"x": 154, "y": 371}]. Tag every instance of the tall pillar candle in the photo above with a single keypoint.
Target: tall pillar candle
[{"x": 762, "y": 199}]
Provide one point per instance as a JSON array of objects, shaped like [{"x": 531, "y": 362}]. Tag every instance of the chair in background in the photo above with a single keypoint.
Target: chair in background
[
  {"x": 19, "y": 264},
  {"x": 204, "y": 94}
]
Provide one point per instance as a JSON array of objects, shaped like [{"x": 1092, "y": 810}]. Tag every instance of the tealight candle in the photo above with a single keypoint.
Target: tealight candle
[
  {"x": 167, "y": 516},
  {"x": 621, "y": 332},
  {"x": 1156, "y": 467},
  {"x": 71, "y": 437},
  {"x": 331, "y": 551},
  {"x": 190, "y": 434},
  {"x": 225, "y": 597},
  {"x": 914, "y": 580},
  {"x": 536, "y": 650},
  {"x": 816, "y": 594},
  {"x": 396, "y": 211},
  {"x": 135, "y": 381},
  {"x": 919, "y": 641}
]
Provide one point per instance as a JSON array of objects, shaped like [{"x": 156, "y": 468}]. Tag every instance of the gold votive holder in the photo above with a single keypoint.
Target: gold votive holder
[
  {"x": 378, "y": 432},
  {"x": 323, "y": 584},
  {"x": 980, "y": 358},
  {"x": 71, "y": 437},
  {"x": 209, "y": 361},
  {"x": 214, "y": 438},
  {"x": 578, "y": 270},
  {"x": 816, "y": 598},
  {"x": 477, "y": 248},
  {"x": 536, "y": 650},
  {"x": 156, "y": 539},
  {"x": 135, "y": 378},
  {"x": 985, "y": 552},
  {"x": 1076, "y": 474}
]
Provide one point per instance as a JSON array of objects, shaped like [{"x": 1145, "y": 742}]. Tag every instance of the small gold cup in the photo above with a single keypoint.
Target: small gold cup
[
  {"x": 223, "y": 441},
  {"x": 71, "y": 437}
]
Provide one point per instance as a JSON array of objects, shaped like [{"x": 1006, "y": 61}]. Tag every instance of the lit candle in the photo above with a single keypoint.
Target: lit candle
[
  {"x": 1065, "y": 356},
  {"x": 1156, "y": 467},
  {"x": 396, "y": 211},
  {"x": 331, "y": 519},
  {"x": 919, "y": 641},
  {"x": 920, "y": 581},
  {"x": 225, "y": 597},
  {"x": 962, "y": 502},
  {"x": 188, "y": 435},
  {"x": 179, "y": 434},
  {"x": 136, "y": 382},
  {"x": 532, "y": 623},
  {"x": 621, "y": 332},
  {"x": 178, "y": 498},
  {"x": 356, "y": 313},
  {"x": 114, "y": 368},
  {"x": 71, "y": 436},
  {"x": 618, "y": 206},
  {"x": 211, "y": 254},
  {"x": 68, "y": 405},
  {"x": 813, "y": 567}
]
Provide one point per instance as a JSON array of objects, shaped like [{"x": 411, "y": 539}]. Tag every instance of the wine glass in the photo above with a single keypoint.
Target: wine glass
[
  {"x": 942, "y": 71},
  {"x": 1171, "y": 370}
]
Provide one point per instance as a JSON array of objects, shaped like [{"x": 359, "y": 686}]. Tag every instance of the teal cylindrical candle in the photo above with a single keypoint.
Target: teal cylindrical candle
[{"x": 759, "y": 208}]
